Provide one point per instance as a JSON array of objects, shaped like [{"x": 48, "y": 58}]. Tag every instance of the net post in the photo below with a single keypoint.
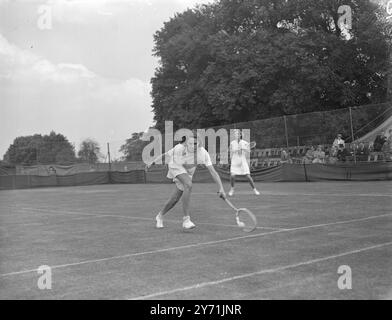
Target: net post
[
  {"x": 285, "y": 129},
  {"x": 352, "y": 134},
  {"x": 110, "y": 164}
]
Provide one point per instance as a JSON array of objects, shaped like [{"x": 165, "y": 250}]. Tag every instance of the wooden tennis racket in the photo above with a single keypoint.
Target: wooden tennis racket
[{"x": 244, "y": 217}]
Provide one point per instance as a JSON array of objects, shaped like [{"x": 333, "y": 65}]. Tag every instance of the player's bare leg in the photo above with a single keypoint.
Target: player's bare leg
[
  {"x": 186, "y": 181},
  {"x": 252, "y": 184},
  {"x": 173, "y": 200},
  {"x": 232, "y": 183}
]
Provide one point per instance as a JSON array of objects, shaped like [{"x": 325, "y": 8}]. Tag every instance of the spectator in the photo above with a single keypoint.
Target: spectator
[
  {"x": 52, "y": 171},
  {"x": 319, "y": 155},
  {"x": 309, "y": 156},
  {"x": 330, "y": 155},
  {"x": 379, "y": 142},
  {"x": 339, "y": 143},
  {"x": 362, "y": 152},
  {"x": 285, "y": 156},
  {"x": 344, "y": 154},
  {"x": 371, "y": 147},
  {"x": 333, "y": 152},
  {"x": 388, "y": 145},
  {"x": 340, "y": 146}
]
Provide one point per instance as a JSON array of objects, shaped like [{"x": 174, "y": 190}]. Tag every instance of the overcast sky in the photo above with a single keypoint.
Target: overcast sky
[{"x": 88, "y": 76}]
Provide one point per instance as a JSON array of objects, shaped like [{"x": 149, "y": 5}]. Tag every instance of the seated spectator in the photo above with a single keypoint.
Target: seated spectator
[
  {"x": 362, "y": 150},
  {"x": 344, "y": 154},
  {"x": 52, "y": 171},
  {"x": 285, "y": 156},
  {"x": 332, "y": 152},
  {"x": 388, "y": 142},
  {"x": 388, "y": 145},
  {"x": 309, "y": 156},
  {"x": 379, "y": 142},
  {"x": 371, "y": 147},
  {"x": 319, "y": 155},
  {"x": 331, "y": 160}
]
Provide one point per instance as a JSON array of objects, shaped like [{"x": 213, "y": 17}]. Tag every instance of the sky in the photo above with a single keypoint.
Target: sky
[{"x": 79, "y": 67}]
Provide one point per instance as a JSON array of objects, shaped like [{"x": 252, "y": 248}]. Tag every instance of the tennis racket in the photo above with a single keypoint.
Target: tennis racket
[
  {"x": 245, "y": 218},
  {"x": 252, "y": 145}
]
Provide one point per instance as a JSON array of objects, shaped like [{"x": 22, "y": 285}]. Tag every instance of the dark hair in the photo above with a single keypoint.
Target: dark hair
[{"x": 184, "y": 138}]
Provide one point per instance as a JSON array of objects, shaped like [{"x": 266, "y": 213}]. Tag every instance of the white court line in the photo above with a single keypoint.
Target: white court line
[
  {"x": 243, "y": 193},
  {"x": 47, "y": 223},
  {"x": 261, "y": 272},
  {"x": 232, "y": 225},
  {"x": 267, "y": 193},
  {"x": 62, "y": 212},
  {"x": 215, "y": 242}
]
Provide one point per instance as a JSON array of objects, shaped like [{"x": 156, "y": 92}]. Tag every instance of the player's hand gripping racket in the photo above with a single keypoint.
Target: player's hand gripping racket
[{"x": 244, "y": 217}]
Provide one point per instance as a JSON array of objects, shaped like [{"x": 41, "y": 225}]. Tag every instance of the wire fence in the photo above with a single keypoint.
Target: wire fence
[
  {"x": 297, "y": 134},
  {"x": 294, "y": 133},
  {"x": 316, "y": 128}
]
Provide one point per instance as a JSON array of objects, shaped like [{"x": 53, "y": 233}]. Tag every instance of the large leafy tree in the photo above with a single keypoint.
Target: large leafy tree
[
  {"x": 234, "y": 61},
  {"x": 133, "y": 147},
  {"x": 37, "y": 149},
  {"x": 89, "y": 151}
]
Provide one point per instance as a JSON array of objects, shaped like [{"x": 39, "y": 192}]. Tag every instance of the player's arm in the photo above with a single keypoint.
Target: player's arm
[
  {"x": 148, "y": 165},
  {"x": 245, "y": 147},
  {"x": 217, "y": 180}
]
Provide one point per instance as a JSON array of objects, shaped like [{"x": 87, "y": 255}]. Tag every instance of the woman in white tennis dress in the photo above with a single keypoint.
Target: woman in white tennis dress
[{"x": 239, "y": 164}]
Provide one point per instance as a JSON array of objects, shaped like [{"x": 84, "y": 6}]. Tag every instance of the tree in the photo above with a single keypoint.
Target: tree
[
  {"x": 24, "y": 150},
  {"x": 89, "y": 151},
  {"x": 56, "y": 148},
  {"x": 234, "y": 61},
  {"x": 37, "y": 149},
  {"x": 133, "y": 147}
]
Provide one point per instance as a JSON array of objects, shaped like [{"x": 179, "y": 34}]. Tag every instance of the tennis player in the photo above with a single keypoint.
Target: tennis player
[
  {"x": 239, "y": 164},
  {"x": 182, "y": 166}
]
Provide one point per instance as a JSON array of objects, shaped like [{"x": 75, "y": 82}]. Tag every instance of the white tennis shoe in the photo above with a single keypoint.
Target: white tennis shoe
[
  {"x": 159, "y": 220},
  {"x": 231, "y": 192},
  {"x": 257, "y": 193},
  {"x": 187, "y": 223}
]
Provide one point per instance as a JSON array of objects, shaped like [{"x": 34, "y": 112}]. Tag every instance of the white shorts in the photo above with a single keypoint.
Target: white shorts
[
  {"x": 179, "y": 184},
  {"x": 174, "y": 172}
]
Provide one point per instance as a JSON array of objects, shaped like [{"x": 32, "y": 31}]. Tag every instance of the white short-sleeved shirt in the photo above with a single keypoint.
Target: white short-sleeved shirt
[
  {"x": 338, "y": 142},
  {"x": 179, "y": 155}
]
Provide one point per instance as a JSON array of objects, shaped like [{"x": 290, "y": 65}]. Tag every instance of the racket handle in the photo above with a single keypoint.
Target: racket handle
[
  {"x": 228, "y": 202},
  {"x": 222, "y": 196}
]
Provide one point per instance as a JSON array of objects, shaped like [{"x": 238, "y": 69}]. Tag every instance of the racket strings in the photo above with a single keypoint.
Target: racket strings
[{"x": 246, "y": 220}]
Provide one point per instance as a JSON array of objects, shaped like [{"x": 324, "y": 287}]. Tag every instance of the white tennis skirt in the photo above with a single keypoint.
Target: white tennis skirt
[{"x": 239, "y": 166}]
